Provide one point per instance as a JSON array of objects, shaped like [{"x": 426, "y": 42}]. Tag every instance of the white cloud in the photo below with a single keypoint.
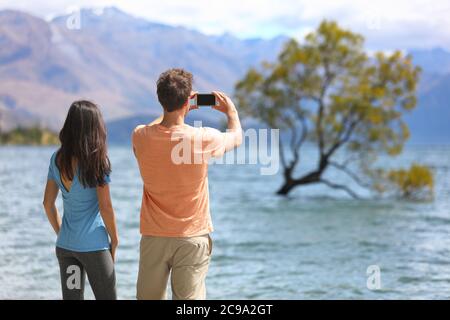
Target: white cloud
[{"x": 385, "y": 23}]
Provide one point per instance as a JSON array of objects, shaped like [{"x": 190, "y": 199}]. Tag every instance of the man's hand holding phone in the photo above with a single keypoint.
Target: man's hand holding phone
[
  {"x": 221, "y": 102},
  {"x": 193, "y": 101},
  {"x": 224, "y": 103},
  {"x": 217, "y": 100}
]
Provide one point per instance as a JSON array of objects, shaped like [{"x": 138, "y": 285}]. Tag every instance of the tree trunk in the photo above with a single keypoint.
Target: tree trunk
[
  {"x": 286, "y": 188},
  {"x": 290, "y": 183}
]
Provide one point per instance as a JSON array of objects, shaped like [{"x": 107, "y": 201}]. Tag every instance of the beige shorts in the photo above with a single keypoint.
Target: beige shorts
[{"x": 186, "y": 260}]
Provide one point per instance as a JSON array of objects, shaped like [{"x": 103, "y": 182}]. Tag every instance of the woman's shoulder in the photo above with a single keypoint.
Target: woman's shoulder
[{"x": 53, "y": 159}]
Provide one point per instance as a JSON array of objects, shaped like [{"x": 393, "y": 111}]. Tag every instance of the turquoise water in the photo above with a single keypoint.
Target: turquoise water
[{"x": 317, "y": 244}]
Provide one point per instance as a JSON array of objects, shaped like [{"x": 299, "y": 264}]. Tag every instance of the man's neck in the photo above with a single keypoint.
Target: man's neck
[{"x": 171, "y": 119}]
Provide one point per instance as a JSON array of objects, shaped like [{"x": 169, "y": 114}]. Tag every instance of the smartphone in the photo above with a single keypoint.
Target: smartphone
[{"x": 205, "y": 100}]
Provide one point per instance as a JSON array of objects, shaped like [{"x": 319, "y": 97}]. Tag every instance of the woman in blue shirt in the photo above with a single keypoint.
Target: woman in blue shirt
[{"x": 87, "y": 236}]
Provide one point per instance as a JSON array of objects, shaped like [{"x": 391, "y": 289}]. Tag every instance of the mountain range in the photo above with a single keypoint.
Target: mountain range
[{"x": 114, "y": 59}]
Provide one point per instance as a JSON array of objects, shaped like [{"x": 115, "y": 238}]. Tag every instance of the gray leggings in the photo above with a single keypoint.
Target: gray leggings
[{"x": 99, "y": 267}]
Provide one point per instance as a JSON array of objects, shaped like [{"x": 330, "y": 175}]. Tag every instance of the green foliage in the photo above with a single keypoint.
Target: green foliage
[
  {"x": 329, "y": 91},
  {"x": 415, "y": 183},
  {"x": 333, "y": 81},
  {"x": 29, "y": 136}
]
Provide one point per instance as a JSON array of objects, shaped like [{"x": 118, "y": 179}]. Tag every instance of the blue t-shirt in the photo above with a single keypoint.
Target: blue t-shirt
[{"x": 82, "y": 228}]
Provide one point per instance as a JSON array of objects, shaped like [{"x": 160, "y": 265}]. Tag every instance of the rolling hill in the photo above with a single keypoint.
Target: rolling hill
[{"x": 115, "y": 58}]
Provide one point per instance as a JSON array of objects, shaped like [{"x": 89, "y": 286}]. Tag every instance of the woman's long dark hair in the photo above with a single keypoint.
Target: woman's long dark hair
[{"x": 83, "y": 140}]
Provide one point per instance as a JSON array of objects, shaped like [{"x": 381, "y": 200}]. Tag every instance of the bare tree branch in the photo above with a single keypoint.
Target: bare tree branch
[
  {"x": 339, "y": 140},
  {"x": 350, "y": 173},
  {"x": 304, "y": 133},
  {"x": 319, "y": 127},
  {"x": 339, "y": 186},
  {"x": 282, "y": 156},
  {"x": 345, "y": 139},
  {"x": 297, "y": 144},
  {"x": 351, "y": 159},
  {"x": 294, "y": 137},
  {"x": 327, "y": 81}
]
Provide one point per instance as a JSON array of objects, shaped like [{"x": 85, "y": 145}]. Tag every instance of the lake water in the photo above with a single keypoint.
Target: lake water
[{"x": 317, "y": 244}]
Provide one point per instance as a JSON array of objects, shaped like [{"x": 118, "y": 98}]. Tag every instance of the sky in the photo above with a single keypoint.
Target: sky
[{"x": 386, "y": 24}]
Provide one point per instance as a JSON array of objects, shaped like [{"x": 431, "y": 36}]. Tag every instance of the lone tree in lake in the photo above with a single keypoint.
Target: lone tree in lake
[{"x": 330, "y": 92}]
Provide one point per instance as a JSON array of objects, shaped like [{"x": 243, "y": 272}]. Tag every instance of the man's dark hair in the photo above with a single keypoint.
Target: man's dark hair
[{"x": 174, "y": 87}]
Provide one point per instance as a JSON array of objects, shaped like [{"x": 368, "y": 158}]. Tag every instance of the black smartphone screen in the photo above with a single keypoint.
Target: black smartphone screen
[{"x": 206, "y": 99}]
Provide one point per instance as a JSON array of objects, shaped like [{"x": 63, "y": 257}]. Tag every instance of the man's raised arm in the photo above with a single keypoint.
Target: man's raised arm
[{"x": 233, "y": 136}]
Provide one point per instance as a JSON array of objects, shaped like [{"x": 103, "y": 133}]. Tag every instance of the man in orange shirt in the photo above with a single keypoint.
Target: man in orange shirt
[{"x": 175, "y": 218}]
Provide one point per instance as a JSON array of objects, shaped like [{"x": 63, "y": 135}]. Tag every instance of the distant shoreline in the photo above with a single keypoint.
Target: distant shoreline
[{"x": 29, "y": 137}]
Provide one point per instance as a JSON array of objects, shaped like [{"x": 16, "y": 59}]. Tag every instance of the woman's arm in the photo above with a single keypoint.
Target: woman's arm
[
  {"x": 51, "y": 192},
  {"x": 109, "y": 218}
]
